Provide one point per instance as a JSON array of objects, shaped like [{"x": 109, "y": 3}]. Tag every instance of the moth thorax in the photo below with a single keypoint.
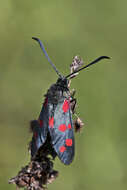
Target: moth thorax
[{"x": 63, "y": 82}]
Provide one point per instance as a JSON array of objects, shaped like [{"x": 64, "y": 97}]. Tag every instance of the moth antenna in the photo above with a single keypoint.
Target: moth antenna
[
  {"x": 49, "y": 60},
  {"x": 93, "y": 62}
]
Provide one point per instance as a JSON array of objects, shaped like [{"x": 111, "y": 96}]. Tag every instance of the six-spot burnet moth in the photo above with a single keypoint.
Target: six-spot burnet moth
[
  {"x": 53, "y": 132},
  {"x": 54, "y": 128}
]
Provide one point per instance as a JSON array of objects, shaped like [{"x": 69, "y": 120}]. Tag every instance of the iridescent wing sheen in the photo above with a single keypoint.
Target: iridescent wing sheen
[
  {"x": 40, "y": 129},
  {"x": 61, "y": 130}
]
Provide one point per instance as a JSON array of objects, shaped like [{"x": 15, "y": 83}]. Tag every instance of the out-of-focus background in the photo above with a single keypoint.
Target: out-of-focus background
[{"x": 67, "y": 28}]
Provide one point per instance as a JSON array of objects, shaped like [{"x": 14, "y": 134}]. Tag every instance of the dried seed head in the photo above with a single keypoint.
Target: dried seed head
[{"x": 36, "y": 175}]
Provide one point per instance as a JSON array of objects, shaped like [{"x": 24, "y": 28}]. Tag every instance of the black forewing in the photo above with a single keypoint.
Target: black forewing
[
  {"x": 61, "y": 131},
  {"x": 40, "y": 129}
]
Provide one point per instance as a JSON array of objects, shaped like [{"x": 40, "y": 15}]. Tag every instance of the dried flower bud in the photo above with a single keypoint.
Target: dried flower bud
[
  {"x": 78, "y": 124},
  {"x": 76, "y": 64},
  {"x": 52, "y": 177}
]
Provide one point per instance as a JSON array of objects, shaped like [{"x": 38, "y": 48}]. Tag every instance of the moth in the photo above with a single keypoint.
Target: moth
[{"x": 53, "y": 132}]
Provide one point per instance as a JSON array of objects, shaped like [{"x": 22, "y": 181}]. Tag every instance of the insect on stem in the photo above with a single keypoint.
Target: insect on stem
[
  {"x": 93, "y": 62},
  {"x": 49, "y": 60}
]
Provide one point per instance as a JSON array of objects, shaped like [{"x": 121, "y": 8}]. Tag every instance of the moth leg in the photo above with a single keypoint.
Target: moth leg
[
  {"x": 73, "y": 104},
  {"x": 73, "y": 100},
  {"x": 78, "y": 124},
  {"x": 72, "y": 93}
]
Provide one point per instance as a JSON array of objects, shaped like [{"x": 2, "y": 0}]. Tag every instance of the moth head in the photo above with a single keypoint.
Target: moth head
[{"x": 63, "y": 82}]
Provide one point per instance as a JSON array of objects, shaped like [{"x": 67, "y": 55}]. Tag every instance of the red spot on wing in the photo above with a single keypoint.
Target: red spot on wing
[
  {"x": 35, "y": 135},
  {"x": 41, "y": 123},
  {"x": 62, "y": 148},
  {"x": 62, "y": 127},
  {"x": 51, "y": 122},
  {"x": 69, "y": 142},
  {"x": 45, "y": 102},
  {"x": 65, "y": 106},
  {"x": 69, "y": 126}
]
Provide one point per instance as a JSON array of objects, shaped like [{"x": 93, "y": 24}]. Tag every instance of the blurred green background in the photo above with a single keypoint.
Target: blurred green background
[{"x": 67, "y": 28}]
